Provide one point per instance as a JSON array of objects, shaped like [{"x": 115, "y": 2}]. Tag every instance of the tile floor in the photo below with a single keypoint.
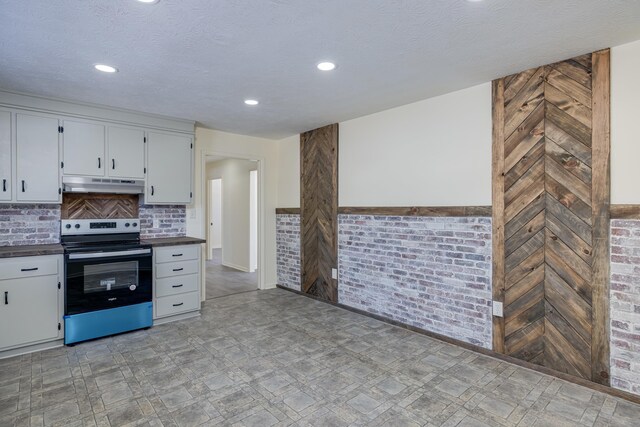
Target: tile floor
[
  {"x": 222, "y": 281},
  {"x": 269, "y": 358}
]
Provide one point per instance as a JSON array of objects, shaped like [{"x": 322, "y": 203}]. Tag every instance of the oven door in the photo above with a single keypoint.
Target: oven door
[{"x": 102, "y": 280}]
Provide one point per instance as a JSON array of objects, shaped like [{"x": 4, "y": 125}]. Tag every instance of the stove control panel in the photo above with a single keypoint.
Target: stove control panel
[{"x": 99, "y": 226}]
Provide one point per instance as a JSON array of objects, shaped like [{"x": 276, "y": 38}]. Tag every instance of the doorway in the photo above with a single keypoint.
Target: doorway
[{"x": 232, "y": 226}]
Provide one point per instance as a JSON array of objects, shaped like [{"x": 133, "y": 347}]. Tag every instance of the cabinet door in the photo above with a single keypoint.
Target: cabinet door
[
  {"x": 28, "y": 310},
  {"x": 5, "y": 155},
  {"x": 126, "y": 153},
  {"x": 83, "y": 148},
  {"x": 169, "y": 160},
  {"x": 38, "y": 160}
]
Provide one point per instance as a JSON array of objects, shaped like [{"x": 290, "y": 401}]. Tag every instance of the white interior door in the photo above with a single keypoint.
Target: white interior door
[
  {"x": 215, "y": 214},
  {"x": 253, "y": 221}
]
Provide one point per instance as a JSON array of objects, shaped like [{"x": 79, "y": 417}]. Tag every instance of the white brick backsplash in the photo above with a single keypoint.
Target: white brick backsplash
[
  {"x": 625, "y": 305},
  {"x": 172, "y": 220},
  {"x": 288, "y": 250},
  {"x": 431, "y": 273},
  {"x": 427, "y": 272},
  {"x": 29, "y": 224}
]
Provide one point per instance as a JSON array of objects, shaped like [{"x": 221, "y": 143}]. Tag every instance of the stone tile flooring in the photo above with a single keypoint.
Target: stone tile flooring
[
  {"x": 222, "y": 281},
  {"x": 273, "y": 358}
]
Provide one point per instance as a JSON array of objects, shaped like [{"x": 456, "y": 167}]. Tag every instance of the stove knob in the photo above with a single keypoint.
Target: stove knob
[
  {"x": 67, "y": 226},
  {"x": 77, "y": 225},
  {"x": 135, "y": 224},
  {"x": 127, "y": 224}
]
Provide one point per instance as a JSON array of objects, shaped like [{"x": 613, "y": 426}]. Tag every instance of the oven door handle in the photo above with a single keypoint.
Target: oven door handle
[{"x": 92, "y": 255}]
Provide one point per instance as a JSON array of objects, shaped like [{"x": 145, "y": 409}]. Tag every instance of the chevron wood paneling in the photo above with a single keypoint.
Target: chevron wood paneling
[
  {"x": 97, "y": 206},
  {"x": 550, "y": 212},
  {"x": 319, "y": 211}
]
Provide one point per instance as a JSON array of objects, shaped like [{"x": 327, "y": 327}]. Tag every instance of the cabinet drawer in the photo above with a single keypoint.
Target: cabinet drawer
[
  {"x": 171, "y": 269},
  {"x": 177, "y": 253},
  {"x": 17, "y": 268},
  {"x": 176, "y": 285},
  {"x": 175, "y": 304}
]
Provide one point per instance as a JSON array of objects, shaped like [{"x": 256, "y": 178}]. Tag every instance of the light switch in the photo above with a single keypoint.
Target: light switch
[
  {"x": 497, "y": 309},
  {"x": 156, "y": 223},
  {"x": 334, "y": 273}
]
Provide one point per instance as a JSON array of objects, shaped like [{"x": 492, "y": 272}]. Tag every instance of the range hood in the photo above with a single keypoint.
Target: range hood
[{"x": 76, "y": 184}]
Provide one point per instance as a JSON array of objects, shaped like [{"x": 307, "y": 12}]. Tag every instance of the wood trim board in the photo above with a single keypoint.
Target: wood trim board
[{"x": 618, "y": 211}]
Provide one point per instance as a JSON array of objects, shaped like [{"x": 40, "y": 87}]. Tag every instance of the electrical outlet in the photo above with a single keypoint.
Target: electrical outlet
[
  {"x": 497, "y": 309},
  {"x": 156, "y": 223},
  {"x": 334, "y": 273}
]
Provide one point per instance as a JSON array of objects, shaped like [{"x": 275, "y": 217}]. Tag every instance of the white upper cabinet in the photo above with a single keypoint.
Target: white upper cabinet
[
  {"x": 5, "y": 155},
  {"x": 37, "y": 159},
  {"x": 84, "y": 148},
  {"x": 125, "y": 152},
  {"x": 169, "y": 169}
]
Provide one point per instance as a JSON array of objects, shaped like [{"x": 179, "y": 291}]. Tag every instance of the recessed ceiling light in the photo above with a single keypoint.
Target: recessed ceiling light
[
  {"x": 251, "y": 102},
  {"x": 106, "y": 68},
  {"x": 474, "y": 1},
  {"x": 148, "y": 1},
  {"x": 326, "y": 66}
]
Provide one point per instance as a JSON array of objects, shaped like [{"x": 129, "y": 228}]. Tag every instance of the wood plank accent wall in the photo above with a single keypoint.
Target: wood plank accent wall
[
  {"x": 319, "y": 211},
  {"x": 551, "y": 215},
  {"x": 96, "y": 206}
]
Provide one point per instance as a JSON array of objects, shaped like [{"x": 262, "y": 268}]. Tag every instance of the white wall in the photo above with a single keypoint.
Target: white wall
[
  {"x": 214, "y": 142},
  {"x": 625, "y": 117},
  {"x": 289, "y": 172},
  {"x": 236, "y": 210},
  {"x": 435, "y": 152}
]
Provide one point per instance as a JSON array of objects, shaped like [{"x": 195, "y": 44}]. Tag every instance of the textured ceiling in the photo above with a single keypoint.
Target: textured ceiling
[{"x": 198, "y": 59}]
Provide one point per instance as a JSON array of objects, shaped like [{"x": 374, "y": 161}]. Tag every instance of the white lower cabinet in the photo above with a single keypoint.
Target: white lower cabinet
[
  {"x": 31, "y": 304},
  {"x": 176, "y": 281}
]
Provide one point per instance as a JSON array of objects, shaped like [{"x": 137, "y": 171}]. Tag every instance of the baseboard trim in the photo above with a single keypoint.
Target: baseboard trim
[
  {"x": 486, "y": 352},
  {"x": 31, "y": 348},
  {"x": 235, "y": 267},
  {"x": 175, "y": 318}
]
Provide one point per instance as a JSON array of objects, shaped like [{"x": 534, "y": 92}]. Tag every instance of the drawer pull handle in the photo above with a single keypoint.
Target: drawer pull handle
[
  {"x": 177, "y": 286},
  {"x": 29, "y": 269},
  {"x": 178, "y": 269},
  {"x": 6, "y": 298},
  {"x": 178, "y": 305},
  {"x": 23, "y": 186},
  {"x": 176, "y": 255},
  {"x": 4, "y": 185},
  {"x": 113, "y": 163}
]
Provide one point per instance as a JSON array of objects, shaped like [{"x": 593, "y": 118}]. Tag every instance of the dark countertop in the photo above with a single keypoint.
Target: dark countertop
[
  {"x": 172, "y": 241},
  {"x": 30, "y": 250}
]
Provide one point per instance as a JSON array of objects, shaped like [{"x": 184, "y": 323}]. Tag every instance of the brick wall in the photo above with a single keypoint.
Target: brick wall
[
  {"x": 625, "y": 305},
  {"x": 171, "y": 220},
  {"x": 29, "y": 224},
  {"x": 432, "y": 273},
  {"x": 288, "y": 250}
]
